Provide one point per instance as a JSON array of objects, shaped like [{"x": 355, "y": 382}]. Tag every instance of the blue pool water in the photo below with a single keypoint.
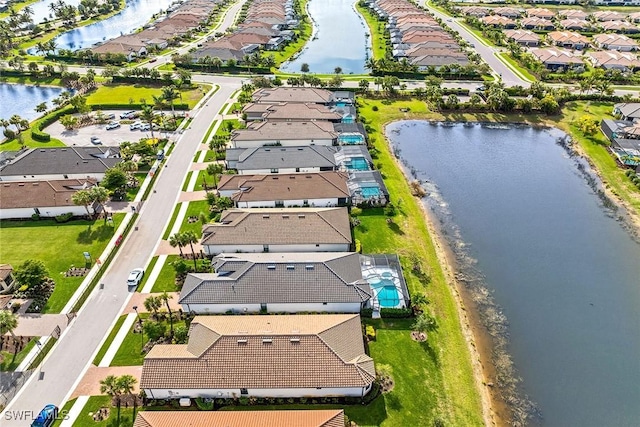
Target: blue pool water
[
  {"x": 370, "y": 192},
  {"x": 351, "y": 139},
  {"x": 386, "y": 293},
  {"x": 358, "y": 164}
]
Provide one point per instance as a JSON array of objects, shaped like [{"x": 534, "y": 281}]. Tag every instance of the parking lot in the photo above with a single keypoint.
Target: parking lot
[{"x": 113, "y": 137}]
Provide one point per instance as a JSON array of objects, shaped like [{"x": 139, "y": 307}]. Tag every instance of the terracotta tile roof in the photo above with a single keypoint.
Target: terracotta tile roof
[
  {"x": 574, "y": 14},
  {"x": 556, "y": 56},
  {"x": 565, "y": 37},
  {"x": 302, "y": 186},
  {"x": 497, "y": 20},
  {"x": 291, "y": 351},
  {"x": 273, "y": 131},
  {"x": 283, "y": 226},
  {"x": 310, "y": 418},
  {"x": 609, "y": 15},
  {"x": 541, "y": 13},
  {"x": 619, "y": 26},
  {"x": 609, "y": 59},
  {"x": 522, "y": 35},
  {"x": 40, "y": 194},
  {"x": 292, "y": 94},
  {"x": 614, "y": 39},
  {"x": 575, "y": 23},
  {"x": 534, "y": 21},
  {"x": 293, "y": 111}
]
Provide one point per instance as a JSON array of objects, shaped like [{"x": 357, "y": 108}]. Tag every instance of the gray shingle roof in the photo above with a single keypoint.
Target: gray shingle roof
[
  {"x": 279, "y": 278},
  {"x": 292, "y": 94},
  {"x": 270, "y": 131},
  {"x": 68, "y": 160},
  {"x": 292, "y": 351},
  {"x": 319, "y": 156},
  {"x": 279, "y": 226}
]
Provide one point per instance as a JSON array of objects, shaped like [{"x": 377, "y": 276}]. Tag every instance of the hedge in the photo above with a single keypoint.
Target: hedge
[
  {"x": 36, "y": 131},
  {"x": 395, "y": 312},
  {"x": 135, "y": 106}
]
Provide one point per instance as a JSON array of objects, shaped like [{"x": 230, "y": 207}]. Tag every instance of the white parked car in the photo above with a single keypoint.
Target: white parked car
[
  {"x": 135, "y": 277},
  {"x": 113, "y": 125},
  {"x": 135, "y": 126},
  {"x": 95, "y": 140}
]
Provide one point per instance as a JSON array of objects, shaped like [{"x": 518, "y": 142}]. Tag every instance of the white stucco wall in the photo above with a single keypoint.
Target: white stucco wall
[
  {"x": 289, "y": 203},
  {"x": 311, "y": 247},
  {"x": 282, "y": 170},
  {"x": 96, "y": 176},
  {"x": 279, "y": 392},
  {"x": 338, "y": 307},
  {"x": 45, "y": 212},
  {"x": 283, "y": 143}
]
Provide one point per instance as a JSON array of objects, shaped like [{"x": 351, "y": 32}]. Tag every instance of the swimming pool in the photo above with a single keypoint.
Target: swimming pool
[
  {"x": 368, "y": 192},
  {"x": 351, "y": 139},
  {"x": 358, "y": 164},
  {"x": 386, "y": 293}
]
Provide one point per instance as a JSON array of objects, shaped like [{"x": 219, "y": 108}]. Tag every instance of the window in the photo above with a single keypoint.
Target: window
[
  {"x": 297, "y": 169},
  {"x": 274, "y": 170},
  {"x": 244, "y": 391}
]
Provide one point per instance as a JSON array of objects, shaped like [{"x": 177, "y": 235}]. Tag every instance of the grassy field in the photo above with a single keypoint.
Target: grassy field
[
  {"x": 194, "y": 209},
  {"x": 59, "y": 245},
  {"x": 378, "y": 46},
  {"x": 122, "y": 94},
  {"x": 110, "y": 337},
  {"x": 11, "y": 361}
]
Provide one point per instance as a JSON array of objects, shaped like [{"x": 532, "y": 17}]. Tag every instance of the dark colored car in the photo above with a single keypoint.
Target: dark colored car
[{"x": 46, "y": 417}]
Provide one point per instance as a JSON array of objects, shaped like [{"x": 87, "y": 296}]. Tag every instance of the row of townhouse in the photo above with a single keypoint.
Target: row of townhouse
[
  {"x": 168, "y": 30},
  {"x": 416, "y": 36},
  {"x": 42, "y": 181},
  {"x": 547, "y": 20},
  {"x": 268, "y": 25},
  {"x": 280, "y": 262}
]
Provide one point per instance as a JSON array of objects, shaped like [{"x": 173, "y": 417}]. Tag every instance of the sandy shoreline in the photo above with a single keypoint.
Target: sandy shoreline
[{"x": 495, "y": 411}]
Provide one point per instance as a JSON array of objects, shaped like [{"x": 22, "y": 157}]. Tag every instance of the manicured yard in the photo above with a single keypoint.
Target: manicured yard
[
  {"x": 174, "y": 215},
  {"x": 223, "y": 129},
  {"x": 376, "y": 28},
  {"x": 194, "y": 210},
  {"x": 303, "y": 31},
  {"x": 167, "y": 278},
  {"x": 110, "y": 337},
  {"x": 187, "y": 179},
  {"x": 94, "y": 404},
  {"x": 211, "y": 156},
  {"x": 60, "y": 246},
  {"x": 123, "y": 94},
  {"x": 10, "y": 361},
  {"x": 132, "y": 192}
]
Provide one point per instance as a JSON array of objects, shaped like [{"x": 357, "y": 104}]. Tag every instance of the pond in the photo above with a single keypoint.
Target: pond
[
  {"x": 23, "y": 99},
  {"x": 525, "y": 219},
  {"x": 340, "y": 39},
  {"x": 135, "y": 14}
]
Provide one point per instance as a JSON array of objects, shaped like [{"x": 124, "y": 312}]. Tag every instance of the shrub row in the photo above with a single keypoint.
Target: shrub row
[
  {"x": 37, "y": 132},
  {"x": 64, "y": 217},
  {"x": 134, "y": 106}
]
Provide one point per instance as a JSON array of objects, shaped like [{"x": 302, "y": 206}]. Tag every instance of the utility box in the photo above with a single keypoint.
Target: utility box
[{"x": 185, "y": 401}]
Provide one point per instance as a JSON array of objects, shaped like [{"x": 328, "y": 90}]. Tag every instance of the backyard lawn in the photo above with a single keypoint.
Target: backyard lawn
[
  {"x": 123, "y": 94},
  {"x": 60, "y": 246}
]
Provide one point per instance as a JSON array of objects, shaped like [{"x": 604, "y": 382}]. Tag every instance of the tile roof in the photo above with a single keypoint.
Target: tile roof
[
  {"x": 556, "y": 56},
  {"x": 522, "y": 35},
  {"x": 611, "y": 58},
  {"x": 292, "y": 94},
  {"x": 628, "y": 109},
  {"x": 269, "y": 131},
  {"x": 286, "y": 157},
  {"x": 40, "y": 194},
  {"x": 614, "y": 39},
  {"x": 278, "y": 279},
  {"x": 573, "y": 23},
  {"x": 67, "y": 160},
  {"x": 293, "y": 111},
  {"x": 290, "y": 351},
  {"x": 279, "y": 226},
  {"x": 540, "y": 13},
  {"x": 567, "y": 37},
  {"x": 609, "y": 15},
  {"x": 302, "y": 186},
  {"x": 281, "y": 418}
]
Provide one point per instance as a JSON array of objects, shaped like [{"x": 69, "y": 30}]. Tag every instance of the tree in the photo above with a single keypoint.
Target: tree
[
  {"x": 8, "y": 322},
  {"x": 213, "y": 170},
  {"x": 82, "y": 198},
  {"x": 110, "y": 387},
  {"x": 181, "y": 334},
  {"x": 153, "y": 303},
  {"x": 41, "y": 108},
  {"x": 31, "y": 273},
  {"x": 148, "y": 116},
  {"x": 115, "y": 179},
  {"x": 587, "y": 125},
  {"x": 166, "y": 297},
  {"x": 154, "y": 330},
  {"x": 337, "y": 70},
  {"x": 424, "y": 323},
  {"x": 99, "y": 195},
  {"x": 69, "y": 121},
  {"x": 304, "y": 68},
  {"x": 363, "y": 85},
  {"x": 174, "y": 240},
  {"x": 189, "y": 238},
  {"x": 549, "y": 105},
  {"x": 126, "y": 383}
]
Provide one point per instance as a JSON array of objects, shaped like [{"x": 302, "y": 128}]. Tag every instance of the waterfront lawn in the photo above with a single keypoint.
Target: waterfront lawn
[
  {"x": 440, "y": 369},
  {"x": 11, "y": 361},
  {"x": 124, "y": 94},
  {"x": 110, "y": 337},
  {"x": 595, "y": 147},
  {"x": 194, "y": 210},
  {"x": 376, "y": 28},
  {"x": 59, "y": 246},
  {"x": 28, "y": 141},
  {"x": 85, "y": 419},
  {"x": 303, "y": 33}
]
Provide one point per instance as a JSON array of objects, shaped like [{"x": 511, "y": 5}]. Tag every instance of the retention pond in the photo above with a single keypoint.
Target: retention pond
[{"x": 550, "y": 262}]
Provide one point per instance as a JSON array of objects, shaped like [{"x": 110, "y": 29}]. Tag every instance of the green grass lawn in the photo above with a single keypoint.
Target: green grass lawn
[
  {"x": 518, "y": 69},
  {"x": 378, "y": 45},
  {"x": 167, "y": 278},
  {"x": 227, "y": 124},
  {"x": 174, "y": 215},
  {"x": 442, "y": 372},
  {"x": 11, "y": 361},
  {"x": 132, "y": 192},
  {"x": 94, "y": 403},
  {"x": 148, "y": 270},
  {"x": 110, "y": 337},
  {"x": 194, "y": 209},
  {"x": 122, "y": 94},
  {"x": 303, "y": 31},
  {"x": 210, "y": 157},
  {"x": 59, "y": 246},
  {"x": 187, "y": 179}
]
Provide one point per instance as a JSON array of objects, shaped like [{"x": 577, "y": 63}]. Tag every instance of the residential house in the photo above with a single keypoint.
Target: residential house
[
  {"x": 352, "y": 133},
  {"x": 507, "y": 12},
  {"x": 558, "y": 59},
  {"x": 476, "y": 11},
  {"x": 613, "y": 60},
  {"x": 568, "y": 40},
  {"x": 287, "y": 134},
  {"x": 425, "y": 62},
  {"x": 625, "y": 138},
  {"x": 290, "y": 112},
  {"x": 575, "y": 24},
  {"x": 353, "y": 157},
  {"x": 608, "y": 15},
  {"x": 574, "y": 14},
  {"x": 324, "y": 282},
  {"x": 223, "y": 53},
  {"x": 498, "y": 21},
  {"x": 45, "y": 164},
  {"x": 536, "y": 12},
  {"x": 620, "y": 27},
  {"x": 272, "y": 356},
  {"x": 274, "y": 418},
  {"x": 523, "y": 37},
  {"x": 303, "y": 95},
  {"x": 635, "y": 17},
  {"x": 46, "y": 199},
  {"x": 265, "y": 160},
  {"x": 615, "y": 42},
  {"x": 278, "y": 230},
  {"x": 7, "y": 280},
  {"x": 534, "y": 23},
  {"x": 286, "y": 190},
  {"x": 130, "y": 48},
  {"x": 367, "y": 187},
  {"x": 629, "y": 111},
  {"x": 620, "y": 129}
]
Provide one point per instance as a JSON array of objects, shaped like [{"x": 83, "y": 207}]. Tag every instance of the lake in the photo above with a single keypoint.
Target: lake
[
  {"x": 525, "y": 220},
  {"x": 135, "y": 14},
  {"x": 22, "y": 99},
  {"x": 340, "y": 39}
]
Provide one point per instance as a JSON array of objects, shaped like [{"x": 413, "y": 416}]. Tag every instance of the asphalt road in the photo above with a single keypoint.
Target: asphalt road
[{"x": 74, "y": 351}]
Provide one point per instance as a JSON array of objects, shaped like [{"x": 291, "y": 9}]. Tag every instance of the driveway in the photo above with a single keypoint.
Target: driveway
[{"x": 112, "y": 138}]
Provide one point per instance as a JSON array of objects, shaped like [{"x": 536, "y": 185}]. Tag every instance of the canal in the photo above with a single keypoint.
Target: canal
[
  {"x": 23, "y": 99},
  {"x": 135, "y": 14},
  {"x": 340, "y": 39},
  {"x": 526, "y": 221}
]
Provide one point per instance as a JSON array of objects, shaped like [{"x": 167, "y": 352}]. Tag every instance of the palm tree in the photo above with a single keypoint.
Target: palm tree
[
  {"x": 82, "y": 198},
  {"x": 170, "y": 94},
  {"x": 41, "y": 108},
  {"x": 99, "y": 195},
  {"x": 110, "y": 387},
  {"x": 213, "y": 170},
  {"x": 153, "y": 303},
  {"x": 147, "y": 116},
  {"x": 174, "y": 240},
  {"x": 8, "y": 322},
  {"x": 189, "y": 238},
  {"x": 216, "y": 62},
  {"x": 126, "y": 383},
  {"x": 166, "y": 297}
]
